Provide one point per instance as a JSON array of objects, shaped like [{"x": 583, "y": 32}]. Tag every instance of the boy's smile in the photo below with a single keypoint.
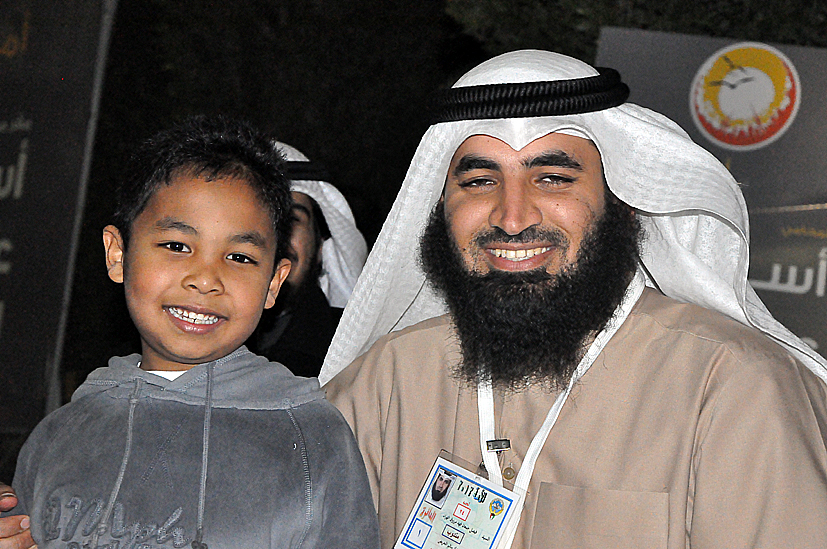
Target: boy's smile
[{"x": 197, "y": 271}]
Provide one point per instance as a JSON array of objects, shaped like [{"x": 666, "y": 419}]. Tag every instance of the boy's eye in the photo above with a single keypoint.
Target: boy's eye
[
  {"x": 178, "y": 247},
  {"x": 242, "y": 258}
]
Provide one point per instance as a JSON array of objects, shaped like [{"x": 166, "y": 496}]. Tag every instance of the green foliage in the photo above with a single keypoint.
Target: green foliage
[{"x": 572, "y": 26}]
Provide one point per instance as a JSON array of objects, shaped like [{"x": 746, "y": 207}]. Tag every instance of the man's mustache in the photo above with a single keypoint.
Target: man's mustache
[{"x": 496, "y": 235}]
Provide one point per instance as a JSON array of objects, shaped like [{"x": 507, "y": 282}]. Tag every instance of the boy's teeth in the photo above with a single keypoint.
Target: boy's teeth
[
  {"x": 519, "y": 255},
  {"x": 195, "y": 318}
]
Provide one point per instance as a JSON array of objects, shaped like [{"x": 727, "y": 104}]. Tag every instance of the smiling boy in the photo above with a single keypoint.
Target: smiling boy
[
  {"x": 198, "y": 274},
  {"x": 196, "y": 441}
]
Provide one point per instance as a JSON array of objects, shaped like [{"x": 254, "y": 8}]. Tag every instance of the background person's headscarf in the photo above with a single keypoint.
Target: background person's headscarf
[
  {"x": 343, "y": 254},
  {"x": 697, "y": 232}
]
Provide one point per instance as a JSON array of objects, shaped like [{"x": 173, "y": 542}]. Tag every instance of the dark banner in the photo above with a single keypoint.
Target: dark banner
[
  {"x": 51, "y": 61},
  {"x": 762, "y": 110}
]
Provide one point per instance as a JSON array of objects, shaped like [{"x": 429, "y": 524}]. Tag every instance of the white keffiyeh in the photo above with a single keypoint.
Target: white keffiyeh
[
  {"x": 343, "y": 254},
  {"x": 694, "y": 215}
]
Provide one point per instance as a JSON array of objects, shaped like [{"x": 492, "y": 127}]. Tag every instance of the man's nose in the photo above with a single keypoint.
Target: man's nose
[{"x": 514, "y": 209}]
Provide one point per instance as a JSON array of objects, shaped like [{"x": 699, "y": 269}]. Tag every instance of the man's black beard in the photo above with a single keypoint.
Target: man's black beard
[{"x": 518, "y": 328}]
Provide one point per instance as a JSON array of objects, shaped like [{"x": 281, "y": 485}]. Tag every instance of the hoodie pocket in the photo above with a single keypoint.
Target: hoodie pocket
[{"x": 592, "y": 518}]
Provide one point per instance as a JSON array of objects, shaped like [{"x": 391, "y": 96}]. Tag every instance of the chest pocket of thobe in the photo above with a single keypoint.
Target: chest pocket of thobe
[{"x": 589, "y": 518}]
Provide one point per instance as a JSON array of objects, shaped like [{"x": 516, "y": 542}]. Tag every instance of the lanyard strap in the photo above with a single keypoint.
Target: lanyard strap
[{"x": 485, "y": 406}]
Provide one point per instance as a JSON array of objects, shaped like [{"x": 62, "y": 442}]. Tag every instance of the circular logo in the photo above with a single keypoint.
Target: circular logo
[
  {"x": 745, "y": 96},
  {"x": 496, "y": 507}
]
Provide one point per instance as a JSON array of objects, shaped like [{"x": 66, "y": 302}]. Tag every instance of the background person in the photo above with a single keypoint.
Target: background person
[
  {"x": 14, "y": 530},
  {"x": 327, "y": 251}
]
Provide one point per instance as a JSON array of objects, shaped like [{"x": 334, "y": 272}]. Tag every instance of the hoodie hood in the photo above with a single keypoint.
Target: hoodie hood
[{"x": 241, "y": 380}]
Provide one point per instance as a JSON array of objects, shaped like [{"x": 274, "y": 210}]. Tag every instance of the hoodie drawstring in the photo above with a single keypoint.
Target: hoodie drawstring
[
  {"x": 133, "y": 401},
  {"x": 205, "y": 449}
]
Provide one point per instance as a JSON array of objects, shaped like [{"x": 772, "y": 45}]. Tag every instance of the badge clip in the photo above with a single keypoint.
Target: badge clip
[{"x": 498, "y": 445}]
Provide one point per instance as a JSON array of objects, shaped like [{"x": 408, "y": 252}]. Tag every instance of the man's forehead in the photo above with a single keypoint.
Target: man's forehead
[
  {"x": 571, "y": 143},
  {"x": 301, "y": 198},
  {"x": 303, "y": 203}
]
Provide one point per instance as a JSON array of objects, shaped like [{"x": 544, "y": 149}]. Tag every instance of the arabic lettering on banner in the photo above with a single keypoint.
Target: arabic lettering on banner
[
  {"x": 52, "y": 56},
  {"x": 788, "y": 269},
  {"x": 792, "y": 284}
]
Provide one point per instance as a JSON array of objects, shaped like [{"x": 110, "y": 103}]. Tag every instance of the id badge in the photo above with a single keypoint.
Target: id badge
[{"x": 457, "y": 509}]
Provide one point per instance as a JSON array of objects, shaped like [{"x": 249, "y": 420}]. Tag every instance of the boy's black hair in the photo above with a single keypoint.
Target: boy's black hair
[{"x": 212, "y": 148}]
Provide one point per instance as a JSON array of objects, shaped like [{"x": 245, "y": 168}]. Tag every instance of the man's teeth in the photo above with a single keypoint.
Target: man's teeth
[
  {"x": 195, "y": 318},
  {"x": 519, "y": 255}
]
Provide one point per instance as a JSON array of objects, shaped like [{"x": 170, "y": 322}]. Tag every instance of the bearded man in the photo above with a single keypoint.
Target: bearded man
[
  {"x": 577, "y": 320},
  {"x": 440, "y": 488}
]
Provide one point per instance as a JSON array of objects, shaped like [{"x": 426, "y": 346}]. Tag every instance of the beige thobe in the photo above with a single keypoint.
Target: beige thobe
[{"x": 689, "y": 430}]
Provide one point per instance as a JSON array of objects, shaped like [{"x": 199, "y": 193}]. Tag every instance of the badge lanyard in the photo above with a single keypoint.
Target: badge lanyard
[{"x": 485, "y": 405}]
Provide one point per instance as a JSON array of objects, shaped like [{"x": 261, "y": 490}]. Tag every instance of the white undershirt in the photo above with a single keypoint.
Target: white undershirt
[{"x": 171, "y": 375}]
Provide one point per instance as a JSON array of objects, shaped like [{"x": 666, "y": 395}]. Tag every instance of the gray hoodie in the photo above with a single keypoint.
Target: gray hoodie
[{"x": 234, "y": 453}]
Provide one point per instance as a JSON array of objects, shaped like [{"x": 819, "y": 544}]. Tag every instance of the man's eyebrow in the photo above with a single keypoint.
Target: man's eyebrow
[
  {"x": 252, "y": 237},
  {"x": 302, "y": 208},
  {"x": 559, "y": 159},
  {"x": 172, "y": 224},
  {"x": 474, "y": 162}
]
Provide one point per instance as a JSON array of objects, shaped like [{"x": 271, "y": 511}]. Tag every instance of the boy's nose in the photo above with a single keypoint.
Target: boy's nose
[{"x": 205, "y": 279}]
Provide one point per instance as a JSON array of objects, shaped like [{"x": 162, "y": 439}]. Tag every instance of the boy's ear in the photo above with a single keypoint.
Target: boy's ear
[
  {"x": 282, "y": 270},
  {"x": 114, "y": 248}
]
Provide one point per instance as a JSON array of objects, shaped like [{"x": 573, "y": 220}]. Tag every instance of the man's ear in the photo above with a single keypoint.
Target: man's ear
[
  {"x": 114, "y": 248},
  {"x": 282, "y": 270},
  {"x": 319, "y": 251}
]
